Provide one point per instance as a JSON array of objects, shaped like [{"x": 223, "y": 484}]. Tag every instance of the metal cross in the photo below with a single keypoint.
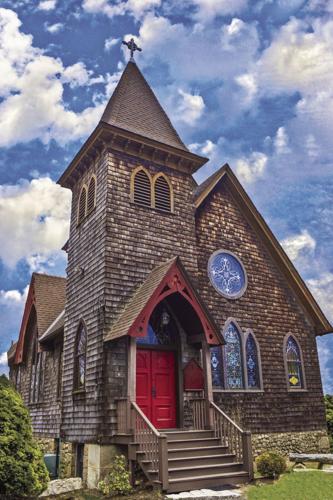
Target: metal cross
[{"x": 132, "y": 46}]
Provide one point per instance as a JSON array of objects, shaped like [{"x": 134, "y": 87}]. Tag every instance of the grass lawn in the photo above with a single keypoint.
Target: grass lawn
[{"x": 316, "y": 485}]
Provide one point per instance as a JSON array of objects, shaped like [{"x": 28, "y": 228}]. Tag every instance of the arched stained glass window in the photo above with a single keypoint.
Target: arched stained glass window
[
  {"x": 294, "y": 363},
  {"x": 252, "y": 363},
  {"x": 233, "y": 358},
  {"x": 217, "y": 367},
  {"x": 80, "y": 357}
]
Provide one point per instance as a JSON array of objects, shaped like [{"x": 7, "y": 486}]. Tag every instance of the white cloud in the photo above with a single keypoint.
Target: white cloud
[
  {"x": 206, "y": 10},
  {"x": 32, "y": 87},
  {"x": 47, "y": 5},
  {"x": 137, "y": 8},
  {"x": 3, "y": 359},
  {"x": 322, "y": 289},
  {"x": 111, "y": 42},
  {"x": 299, "y": 245},
  {"x": 251, "y": 168},
  {"x": 54, "y": 28},
  {"x": 325, "y": 361},
  {"x": 281, "y": 141},
  {"x": 34, "y": 216},
  {"x": 189, "y": 107},
  {"x": 13, "y": 297}
]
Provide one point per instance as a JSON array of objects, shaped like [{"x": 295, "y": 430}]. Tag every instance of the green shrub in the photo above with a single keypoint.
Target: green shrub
[
  {"x": 22, "y": 468},
  {"x": 271, "y": 464},
  {"x": 117, "y": 482}
]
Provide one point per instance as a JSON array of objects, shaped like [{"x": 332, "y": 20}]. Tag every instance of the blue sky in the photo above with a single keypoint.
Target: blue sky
[{"x": 244, "y": 82}]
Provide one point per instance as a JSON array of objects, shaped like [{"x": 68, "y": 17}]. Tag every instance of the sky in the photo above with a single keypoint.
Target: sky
[{"x": 248, "y": 82}]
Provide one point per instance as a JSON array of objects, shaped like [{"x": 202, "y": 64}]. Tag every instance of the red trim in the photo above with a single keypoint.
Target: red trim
[
  {"x": 30, "y": 303},
  {"x": 173, "y": 282}
]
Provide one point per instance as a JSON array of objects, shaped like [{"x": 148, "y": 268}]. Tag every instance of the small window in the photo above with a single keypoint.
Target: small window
[
  {"x": 80, "y": 358},
  {"x": 294, "y": 364},
  {"x": 82, "y": 205},
  {"x": 162, "y": 192},
  {"x": 79, "y": 460},
  {"x": 59, "y": 379},
  {"x": 142, "y": 189},
  {"x": 91, "y": 202},
  {"x": 36, "y": 380},
  {"x": 252, "y": 363}
]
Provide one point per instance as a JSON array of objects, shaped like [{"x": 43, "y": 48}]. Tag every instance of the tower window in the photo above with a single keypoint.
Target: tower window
[
  {"x": 142, "y": 188},
  {"x": 162, "y": 193},
  {"x": 91, "y": 201},
  {"x": 80, "y": 357},
  {"x": 82, "y": 205}
]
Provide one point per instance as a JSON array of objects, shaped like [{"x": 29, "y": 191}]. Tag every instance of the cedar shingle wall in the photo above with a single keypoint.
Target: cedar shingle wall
[
  {"x": 270, "y": 309},
  {"x": 81, "y": 412}
]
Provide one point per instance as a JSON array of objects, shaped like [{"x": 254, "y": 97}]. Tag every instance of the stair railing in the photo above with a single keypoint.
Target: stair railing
[
  {"x": 152, "y": 443},
  {"x": 199, "y": 415},
  {"x": 231, "y": 435}
]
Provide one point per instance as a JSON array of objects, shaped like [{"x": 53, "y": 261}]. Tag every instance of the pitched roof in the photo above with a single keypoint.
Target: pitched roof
[
  {"x": 47, "y": 294},
  {"x": 226, "y": 175},
  {"x": 134, "y": 107},
  {"x": 54, "y": 328},
  {"x": 11, "y": 352},
  {"x": 154, "y": 286},
  {"x": 50, "y": 293}
]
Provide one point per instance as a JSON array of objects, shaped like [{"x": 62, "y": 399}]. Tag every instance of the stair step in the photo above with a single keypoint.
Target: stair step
[
  {"x": 206, "y": 481},
  {"x": 191, "y": 434},
  {"x": 206, "y": 470},
  {"x": 201, "y": 460},
  {"x": 196, "y": 451},
  {"x": 189, "y": 443}
]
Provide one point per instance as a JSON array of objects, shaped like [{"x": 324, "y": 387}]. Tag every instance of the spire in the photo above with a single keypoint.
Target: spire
[{"x": 134, "y": 107}]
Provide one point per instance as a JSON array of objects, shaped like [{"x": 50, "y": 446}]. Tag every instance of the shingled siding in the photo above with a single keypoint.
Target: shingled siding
[
  {"x": 271, "y": 310},
  {"x": 81, "y": 410},
  {"x": 139, "y": 239}
]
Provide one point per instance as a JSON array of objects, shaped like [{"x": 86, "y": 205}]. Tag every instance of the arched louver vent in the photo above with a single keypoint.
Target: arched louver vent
[
  {"x": 162, "y": 194},
  {"x": 142, "y": 189},
  {"x": 82, "y": 205},
  {"x": 91, "y": 195}
]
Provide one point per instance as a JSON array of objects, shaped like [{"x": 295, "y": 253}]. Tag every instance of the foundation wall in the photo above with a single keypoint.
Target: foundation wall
[{"x": 291, "y": 442}]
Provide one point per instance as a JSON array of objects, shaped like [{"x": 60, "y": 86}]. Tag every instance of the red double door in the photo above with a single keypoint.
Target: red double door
[{"x": 156, "y": 387}]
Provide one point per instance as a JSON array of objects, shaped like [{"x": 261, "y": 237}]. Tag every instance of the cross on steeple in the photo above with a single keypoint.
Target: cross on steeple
[{"x": 132, "y": 46}]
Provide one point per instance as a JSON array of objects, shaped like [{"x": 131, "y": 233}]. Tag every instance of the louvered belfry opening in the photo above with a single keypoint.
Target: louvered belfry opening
[
  {"x": 162, "y": 194},
  {"x": 142, "y": 189},
  {"x": 82, "y": 205},
  {"x": 91, "y": 195}
]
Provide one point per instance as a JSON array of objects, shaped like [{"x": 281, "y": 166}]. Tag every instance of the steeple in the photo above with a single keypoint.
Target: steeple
[{"x": 134, "y": 107}]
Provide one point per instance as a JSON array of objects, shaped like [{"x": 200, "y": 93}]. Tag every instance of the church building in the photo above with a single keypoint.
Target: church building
[{"x": 183, "y": 336}]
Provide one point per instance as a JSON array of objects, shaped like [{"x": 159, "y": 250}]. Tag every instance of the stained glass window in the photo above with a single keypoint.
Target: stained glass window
[
  {"x": 227, "y": 274},
  {"x": 294, "y": 364},
  {"x": 162, "y": 329},
  {"x": 80, "y": 360},
  {"x": 217, "y": 368},
  {"x": 233, "y": 358},
  {"x": 252, "y": 365}
]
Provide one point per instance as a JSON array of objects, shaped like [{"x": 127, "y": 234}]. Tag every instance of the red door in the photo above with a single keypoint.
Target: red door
[{"x": 156, "y": 387}]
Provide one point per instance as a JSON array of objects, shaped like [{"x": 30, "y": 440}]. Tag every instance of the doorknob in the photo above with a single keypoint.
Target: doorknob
[{"x": 153, "y": 392}]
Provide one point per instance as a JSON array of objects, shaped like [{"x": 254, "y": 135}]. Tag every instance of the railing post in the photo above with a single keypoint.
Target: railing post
[
  {"x": 129, "y": 427},
  {"x": 163, "y": 461},
  {"x": 247, "y": 453}
]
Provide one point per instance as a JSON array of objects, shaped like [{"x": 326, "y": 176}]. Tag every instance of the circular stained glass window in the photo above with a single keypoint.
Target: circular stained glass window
[{"x": 227, "y": 274}]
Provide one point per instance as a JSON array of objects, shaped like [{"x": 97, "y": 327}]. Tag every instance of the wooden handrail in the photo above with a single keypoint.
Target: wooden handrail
[
  {"x": 151, "y": 443},
  {"x": 226, "y": 416},
  {"x": 231, "y": 435},
  {"x": 147, "y": 421}
]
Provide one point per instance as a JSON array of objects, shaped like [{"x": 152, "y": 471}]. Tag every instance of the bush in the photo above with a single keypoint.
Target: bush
[
  {"x": 271, "y": 464},
  {"x": 117, "y": 482},
  {"x": 22, "y": 468}
]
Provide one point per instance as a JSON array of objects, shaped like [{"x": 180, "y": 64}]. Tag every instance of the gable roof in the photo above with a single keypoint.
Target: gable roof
[
  {"x": 134, "y": 107},
  {"x": 48, "y": 295},
  {"x": 226, "y": 175},
  {"x": 151, "y": 292}
]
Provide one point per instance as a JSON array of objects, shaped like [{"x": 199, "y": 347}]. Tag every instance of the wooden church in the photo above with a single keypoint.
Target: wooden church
[{"x": 182, "y": 336}]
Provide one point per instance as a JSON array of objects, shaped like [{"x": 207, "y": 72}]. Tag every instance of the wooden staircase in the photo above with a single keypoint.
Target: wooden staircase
[{"x": 182, "y": 460}]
